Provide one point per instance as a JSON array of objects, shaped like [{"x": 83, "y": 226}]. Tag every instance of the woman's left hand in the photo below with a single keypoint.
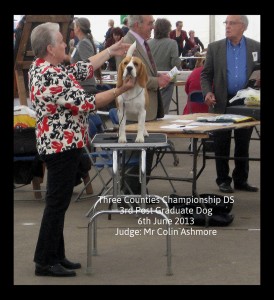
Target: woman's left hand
[{"x": 119, "y": 49}]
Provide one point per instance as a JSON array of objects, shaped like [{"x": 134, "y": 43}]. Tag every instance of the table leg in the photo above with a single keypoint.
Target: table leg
[
  {"x": 143, "y": 176},
  {"x": 177, "y": 99},
  {"x": 115, "y": 176},
  {"x": 195, "y": 155}
]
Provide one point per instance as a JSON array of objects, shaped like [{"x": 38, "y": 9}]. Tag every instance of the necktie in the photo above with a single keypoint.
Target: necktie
[{"x": 150, "y": 56}]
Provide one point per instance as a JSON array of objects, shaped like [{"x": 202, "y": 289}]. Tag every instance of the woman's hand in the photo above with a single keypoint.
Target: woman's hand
[
  {"x": 119, "y": 49},
  {"x": 128, "y": 84}
]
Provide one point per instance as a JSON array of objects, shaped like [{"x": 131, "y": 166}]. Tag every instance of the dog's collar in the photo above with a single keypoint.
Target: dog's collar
[{"x": 132, "y": 97}]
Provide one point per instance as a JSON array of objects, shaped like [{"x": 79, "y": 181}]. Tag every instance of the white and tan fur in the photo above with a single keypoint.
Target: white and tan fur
[{"x": 135, "y": 100}]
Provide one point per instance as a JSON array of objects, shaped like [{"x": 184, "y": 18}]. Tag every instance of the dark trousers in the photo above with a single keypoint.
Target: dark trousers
[
  {"x": 62, "y": 168},
  {"x": 222, "y": 141}
]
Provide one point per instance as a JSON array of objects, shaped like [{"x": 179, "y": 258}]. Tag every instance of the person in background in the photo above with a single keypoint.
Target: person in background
[
  {"x": 85, "y": 49},
  {"x": 228, "y": 66},
  {"x": 115, "y": 37},
  {"x": 179, "y": 35},
  {"x": 17, "y": 35},
  {"x": 140, "y": 27},
  {"x": 108, "y": 33},
  {"x": 125, "y": 28},
  {"x": 192, "y": 46},
  {"x": 165, "y": 53},
  {"x": 193, "y": 83},
  {"x": 62, "y": 107}
]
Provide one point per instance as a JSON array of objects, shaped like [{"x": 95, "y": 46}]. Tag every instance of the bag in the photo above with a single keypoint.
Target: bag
[
  {"x": 160, "y": 108},
  {"x": 24, "y": 141},
  {"x": 23, "y": 117},
  {"x": 216, "y": 207},
  {"x": 24, "y": 171}
]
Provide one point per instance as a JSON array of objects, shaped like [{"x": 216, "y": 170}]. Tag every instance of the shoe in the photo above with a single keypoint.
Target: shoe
[
  {"x": 70, "y": 265},
  {"x": 56, "y": 270},
  {"x": 245, "y": 187},
  {"x": 225, "y": 188}
]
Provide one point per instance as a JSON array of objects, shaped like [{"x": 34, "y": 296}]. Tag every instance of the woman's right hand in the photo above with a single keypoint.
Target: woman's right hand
[
  {"x": 119, "y": 49},
  {"x": 128, "y": 84}
]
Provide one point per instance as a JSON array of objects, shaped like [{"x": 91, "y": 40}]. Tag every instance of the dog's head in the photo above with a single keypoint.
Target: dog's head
[{"x": 132, "y": 66}]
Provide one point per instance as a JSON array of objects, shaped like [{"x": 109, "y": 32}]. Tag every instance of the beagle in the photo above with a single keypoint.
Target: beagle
[{"x": 135, "y": 100}]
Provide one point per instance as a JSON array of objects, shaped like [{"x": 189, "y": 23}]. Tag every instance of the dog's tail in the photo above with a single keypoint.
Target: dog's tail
[{"x": 131, "y": 49}]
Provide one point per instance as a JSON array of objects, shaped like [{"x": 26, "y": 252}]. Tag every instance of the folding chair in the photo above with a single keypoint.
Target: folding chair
[
  {"x": 196, "y": 97},
  {"x": 100, "y": 159},
  {"x": 27, "y": 165}
]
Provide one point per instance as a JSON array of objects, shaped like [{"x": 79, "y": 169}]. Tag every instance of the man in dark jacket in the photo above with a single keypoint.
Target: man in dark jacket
[{"x": 228, "y": 66}]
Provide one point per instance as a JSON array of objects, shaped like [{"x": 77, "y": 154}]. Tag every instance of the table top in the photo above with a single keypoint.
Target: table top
[
  {"x": 180, "y": 126},
  {"x": 110, "y": 140}
]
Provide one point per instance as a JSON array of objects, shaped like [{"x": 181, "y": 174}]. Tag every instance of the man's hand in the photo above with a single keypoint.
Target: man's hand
[
  {"x": 163, "y": 80},
  {"x": 210, "y": 99}
]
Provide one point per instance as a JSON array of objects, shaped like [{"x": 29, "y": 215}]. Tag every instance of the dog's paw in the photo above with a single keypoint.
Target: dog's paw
[
  {"x": 146, "y": 133},
  {"x": 140, "y": 139},
  {"x": 122, "y": 139}
]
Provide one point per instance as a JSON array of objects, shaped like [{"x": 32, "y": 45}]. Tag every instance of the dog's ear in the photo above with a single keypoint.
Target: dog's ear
[
  {"x": 120, "y": 74},
  {"x": 142, "y": 77}
]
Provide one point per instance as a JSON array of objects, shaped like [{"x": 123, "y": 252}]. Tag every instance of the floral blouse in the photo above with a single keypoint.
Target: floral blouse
[{"x": 61, "y": 105}]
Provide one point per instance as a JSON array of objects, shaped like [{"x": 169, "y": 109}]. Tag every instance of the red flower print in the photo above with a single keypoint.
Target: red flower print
[
  {"x": 90, "y": 68},
  {"x": 45, "y": 124},
  {"x": 80, "y": 144},
  {"x": 32, "y": 98},
  {"x": 87, "y": 106},
  {"x": 56, "y": 90},
  {"x": 68, "y": 136},
  {"x": 39, "y": 130},
  {"x": 76, "y": 83},
  {"x": 58, "y": 70},
  {"x": 83, "y": 130},
  {"x": 39, "y": 61},
  {"x": 51, "y": 108},
  {"x": 44, "y": 70},
  {"x": 57, "y": 146},
  {"x": 74, "y": 110}
]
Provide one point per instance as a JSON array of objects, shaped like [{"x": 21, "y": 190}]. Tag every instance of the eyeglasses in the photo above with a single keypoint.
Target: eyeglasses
[{"x": 231, "y": 23}]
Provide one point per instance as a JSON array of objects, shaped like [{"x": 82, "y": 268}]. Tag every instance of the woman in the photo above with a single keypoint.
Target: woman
[
  {"x": 193, "y": 84},
  {"x": 62, "y": 107},
  {"x": 179, "y": 35},
  {"x": 165, "y": 53},
  {"x": 85, "y": 49},
  {"x": 116, "y": 35},
  {"x": 193, "y": 44}
]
